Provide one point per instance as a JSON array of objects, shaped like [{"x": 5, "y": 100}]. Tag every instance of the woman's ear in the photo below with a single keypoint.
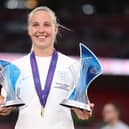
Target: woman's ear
[{"x": 56, "y": 29}]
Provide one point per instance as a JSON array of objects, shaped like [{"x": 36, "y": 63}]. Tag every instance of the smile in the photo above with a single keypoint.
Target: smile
[{"x": 41, "y": 37}]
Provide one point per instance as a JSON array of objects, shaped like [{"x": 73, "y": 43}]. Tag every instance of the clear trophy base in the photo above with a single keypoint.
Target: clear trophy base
[
  {"x": 75, "y": 104},
  {"x": 15, "y": 103}
]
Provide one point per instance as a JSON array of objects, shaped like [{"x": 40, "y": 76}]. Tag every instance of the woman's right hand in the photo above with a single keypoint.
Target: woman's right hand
[{"x": 4, "y": 111}]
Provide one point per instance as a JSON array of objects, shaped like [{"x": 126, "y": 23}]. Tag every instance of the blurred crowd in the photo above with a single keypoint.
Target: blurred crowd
[{"x": 111, "y": 116}]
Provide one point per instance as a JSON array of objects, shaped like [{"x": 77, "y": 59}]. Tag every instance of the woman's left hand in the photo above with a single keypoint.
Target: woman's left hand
[{"x": 83, "y": 114}]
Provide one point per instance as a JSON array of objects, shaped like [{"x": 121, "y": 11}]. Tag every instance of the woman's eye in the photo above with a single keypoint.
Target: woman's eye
[
  {"x": 47, "y": 24},
  {"x": 35, "y": 25}
]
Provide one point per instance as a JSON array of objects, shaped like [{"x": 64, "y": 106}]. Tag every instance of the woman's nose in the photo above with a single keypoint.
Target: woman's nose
[{"x": 41, "y": 29}]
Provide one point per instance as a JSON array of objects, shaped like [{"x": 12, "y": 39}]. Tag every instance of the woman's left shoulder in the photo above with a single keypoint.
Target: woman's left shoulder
[{"x": 67, "y": 59}]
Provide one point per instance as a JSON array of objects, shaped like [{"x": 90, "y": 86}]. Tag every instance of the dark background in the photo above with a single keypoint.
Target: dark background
[{"x": 103, "y": 25}]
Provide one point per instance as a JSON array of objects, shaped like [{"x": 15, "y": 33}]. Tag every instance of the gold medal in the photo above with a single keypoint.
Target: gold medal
[{"x": 42, "y": 111}]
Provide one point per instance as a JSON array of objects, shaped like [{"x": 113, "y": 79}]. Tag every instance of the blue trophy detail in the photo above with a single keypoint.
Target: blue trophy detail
[
  {"x": 9, "y": 74},
  {"x": 90, "y": 69}
]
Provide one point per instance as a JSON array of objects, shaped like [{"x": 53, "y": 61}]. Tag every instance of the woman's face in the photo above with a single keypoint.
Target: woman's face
[{"x": 42, "y": 30}]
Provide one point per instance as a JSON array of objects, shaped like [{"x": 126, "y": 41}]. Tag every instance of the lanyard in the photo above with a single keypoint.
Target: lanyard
[{"x": 43, "y": 94}]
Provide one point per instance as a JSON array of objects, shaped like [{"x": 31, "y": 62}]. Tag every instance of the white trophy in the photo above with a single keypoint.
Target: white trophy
[
  {"x": 9, "y": 74},
  {"x": 90, "y": 68}
]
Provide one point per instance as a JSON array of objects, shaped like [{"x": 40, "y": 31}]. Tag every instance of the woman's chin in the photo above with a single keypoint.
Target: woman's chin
[{"x": 42, "y": 46}]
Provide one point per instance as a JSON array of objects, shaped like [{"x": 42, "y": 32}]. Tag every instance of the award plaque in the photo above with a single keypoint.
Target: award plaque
[
  {"x": 9, "y": 74},
  {"x": 90, "y": 69}
]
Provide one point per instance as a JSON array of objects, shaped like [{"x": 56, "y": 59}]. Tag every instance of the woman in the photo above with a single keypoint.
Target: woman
[{"x": 45, "y": 79}]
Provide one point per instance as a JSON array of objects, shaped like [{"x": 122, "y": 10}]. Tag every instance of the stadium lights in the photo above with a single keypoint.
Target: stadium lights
[
  {"x": 20, "y": 4},
  {"x": 30, "y": 4},
  {"x": 15, "y": 4},
  {"x": 88, "y": 9}
]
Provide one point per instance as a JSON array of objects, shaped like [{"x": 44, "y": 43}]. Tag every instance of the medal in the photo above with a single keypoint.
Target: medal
[
  {"x": 42, "y": 111},
  {"x": 43, "y": 94}
]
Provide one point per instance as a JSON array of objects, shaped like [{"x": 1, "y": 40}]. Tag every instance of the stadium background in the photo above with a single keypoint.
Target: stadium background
[{"x": 103, "y": 25}]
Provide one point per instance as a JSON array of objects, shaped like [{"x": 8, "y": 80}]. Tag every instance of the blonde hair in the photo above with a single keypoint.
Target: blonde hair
[
  {"x": 51, "y": 12},
  {"x": 44, "y": 8}
]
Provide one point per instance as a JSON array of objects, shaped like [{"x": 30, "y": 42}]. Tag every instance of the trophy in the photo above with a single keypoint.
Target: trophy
[
  {"x": 90, "y": 69},
  {"x": 9, "y": 74}
]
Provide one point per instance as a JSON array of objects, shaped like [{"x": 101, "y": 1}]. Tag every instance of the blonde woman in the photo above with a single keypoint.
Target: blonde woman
[{"x": 45, "y": 79}]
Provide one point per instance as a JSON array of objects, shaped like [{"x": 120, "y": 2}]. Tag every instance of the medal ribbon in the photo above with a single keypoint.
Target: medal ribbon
[{"x": 43, "y": 94}]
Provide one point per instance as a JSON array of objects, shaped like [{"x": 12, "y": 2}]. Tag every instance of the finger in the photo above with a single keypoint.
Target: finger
[
  {"x": 5, "y": 113},
  {"x": 2, "y": 109},
  {"x": 6, "y": 109},
  {"x": 10, "y": 108}
]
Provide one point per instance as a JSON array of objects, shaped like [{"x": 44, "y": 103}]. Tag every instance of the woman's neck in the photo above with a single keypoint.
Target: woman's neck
[{"x": 43, "y": 52}]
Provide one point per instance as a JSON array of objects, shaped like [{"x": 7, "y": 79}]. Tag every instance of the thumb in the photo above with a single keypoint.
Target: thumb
[{"x": 92, "y": 106}]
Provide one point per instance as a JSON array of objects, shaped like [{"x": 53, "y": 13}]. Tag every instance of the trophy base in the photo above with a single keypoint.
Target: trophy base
[
  {"x": 75, "y": 104},
  {"x": 15, "y": 103}
]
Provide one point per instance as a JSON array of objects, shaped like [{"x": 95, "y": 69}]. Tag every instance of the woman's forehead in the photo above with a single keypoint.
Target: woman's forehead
[{"x": 41, "y": 15}]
